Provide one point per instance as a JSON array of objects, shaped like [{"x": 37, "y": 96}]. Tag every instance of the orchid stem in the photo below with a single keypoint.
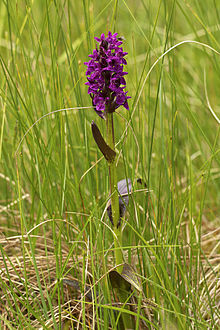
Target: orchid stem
[{"x": 114, "y": 194}]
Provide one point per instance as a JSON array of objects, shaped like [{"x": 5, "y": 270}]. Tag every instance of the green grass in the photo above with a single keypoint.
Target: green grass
[{"x": 54, "y": 189}]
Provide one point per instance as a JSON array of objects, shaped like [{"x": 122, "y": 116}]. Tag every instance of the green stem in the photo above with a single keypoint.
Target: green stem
[
  {"x": 123, "y": 296},
  {"x": 114, "y": 193}
]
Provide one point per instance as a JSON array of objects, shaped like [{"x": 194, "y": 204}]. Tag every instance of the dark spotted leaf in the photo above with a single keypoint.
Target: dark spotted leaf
[{"x": 107, "y": 152}]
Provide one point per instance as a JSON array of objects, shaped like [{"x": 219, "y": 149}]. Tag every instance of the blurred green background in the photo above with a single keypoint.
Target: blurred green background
[{"x": 172, "y": 141}]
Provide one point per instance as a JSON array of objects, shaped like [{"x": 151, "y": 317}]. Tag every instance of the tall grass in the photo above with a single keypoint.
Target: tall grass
[{"x": 54, "y": 184}]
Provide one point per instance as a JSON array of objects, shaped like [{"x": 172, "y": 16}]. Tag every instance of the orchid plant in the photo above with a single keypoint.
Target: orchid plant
[{"x": 107, "y": 89}]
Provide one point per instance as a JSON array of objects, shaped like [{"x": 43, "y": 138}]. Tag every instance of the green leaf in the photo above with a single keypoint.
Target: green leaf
[
  {"x": 129, "y": 274},
  {"x": 126, "y": 279},
  {"x": 118, "y": 281}
]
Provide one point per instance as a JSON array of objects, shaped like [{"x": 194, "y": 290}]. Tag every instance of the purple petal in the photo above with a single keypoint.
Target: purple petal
[
  {"x": 126, "y": 105},
  {"x": 100, "y": 113},
  {"x": 120, "y": 99}
]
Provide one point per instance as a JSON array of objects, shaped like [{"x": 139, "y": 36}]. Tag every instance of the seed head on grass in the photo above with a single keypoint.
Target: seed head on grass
[{"x": 106, "y": 76}]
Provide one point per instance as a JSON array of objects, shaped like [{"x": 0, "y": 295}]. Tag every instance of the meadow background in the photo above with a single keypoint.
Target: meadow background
[{"x": 54, "y": 187}]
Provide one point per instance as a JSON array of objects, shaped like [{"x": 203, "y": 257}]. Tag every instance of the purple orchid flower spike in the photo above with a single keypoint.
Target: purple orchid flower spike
[{"x": 105, "y": 75}]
